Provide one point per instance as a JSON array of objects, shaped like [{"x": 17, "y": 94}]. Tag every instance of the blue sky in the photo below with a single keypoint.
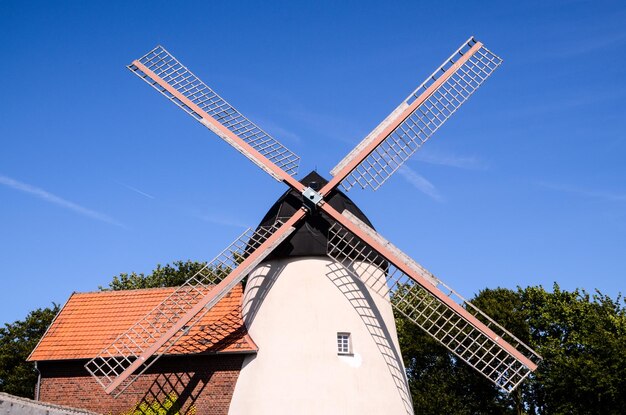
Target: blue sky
[{"x": 100, "y": 175}]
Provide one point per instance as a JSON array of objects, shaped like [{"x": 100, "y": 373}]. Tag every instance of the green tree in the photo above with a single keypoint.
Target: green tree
[
  {"x": 17, "y": 341},
  {"x": 582, "y": 339},
  {"x": 162, "y": 276},
  {"x": 439, "y": 382},
  {"x": 442, "y": 383},
  {"x": 505, "y": 306}
]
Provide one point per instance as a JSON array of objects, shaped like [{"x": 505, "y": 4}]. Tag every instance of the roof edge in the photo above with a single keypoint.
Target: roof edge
[
  {"x": 108, "y": 291},
  {"x": 209, "y": 353},
  {"x": 28, "y": 359}
]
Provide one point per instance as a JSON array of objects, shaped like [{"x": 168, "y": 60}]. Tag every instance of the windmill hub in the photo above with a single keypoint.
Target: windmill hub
[
  {"x": 310, "y": 237},
  {"x": 311, "y": 198}
]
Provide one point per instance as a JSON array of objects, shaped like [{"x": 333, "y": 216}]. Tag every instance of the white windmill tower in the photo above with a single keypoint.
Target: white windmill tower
[{"x": 321, "y": 281}]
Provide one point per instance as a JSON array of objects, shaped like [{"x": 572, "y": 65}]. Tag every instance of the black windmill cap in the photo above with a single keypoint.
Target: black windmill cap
[{"x": 311, "y": 235}]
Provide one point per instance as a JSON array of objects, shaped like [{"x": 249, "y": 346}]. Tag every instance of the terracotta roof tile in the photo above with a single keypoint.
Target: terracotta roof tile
[{"x": 91, "y": 321}]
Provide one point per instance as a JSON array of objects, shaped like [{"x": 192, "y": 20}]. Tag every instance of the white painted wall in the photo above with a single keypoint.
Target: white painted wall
[{"x": 293, "y": 309}]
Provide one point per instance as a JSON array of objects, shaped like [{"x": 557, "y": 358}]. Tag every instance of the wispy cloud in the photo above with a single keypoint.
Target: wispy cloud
[
  {"x": 285, "y": 104},
  {"x": 578, "y": 100},
  {"x": 592, "y": 193},
  {"x": 56, "y": 200},
  {"x": 331, "y": 126},
  {"x": 277, "y": 131},
  {"x": 590, "y": 45},
  {"x": 451, "y": 160},
  {"x": 134, "y": 189},
  {"x": 420, "y": 183}
]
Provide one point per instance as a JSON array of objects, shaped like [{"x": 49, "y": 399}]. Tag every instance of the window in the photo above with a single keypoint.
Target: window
[{"x": 344, "y": 345}]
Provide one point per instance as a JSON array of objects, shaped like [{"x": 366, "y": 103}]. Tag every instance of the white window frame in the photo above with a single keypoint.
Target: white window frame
[{"x": 344, "y": 343}]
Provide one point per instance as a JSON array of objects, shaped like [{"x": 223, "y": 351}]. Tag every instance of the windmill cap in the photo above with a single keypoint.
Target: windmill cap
[{"x": 311, "y": 235}]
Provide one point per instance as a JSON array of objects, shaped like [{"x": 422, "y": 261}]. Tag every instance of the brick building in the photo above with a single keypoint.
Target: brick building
[{"x": 198, "y": 374}]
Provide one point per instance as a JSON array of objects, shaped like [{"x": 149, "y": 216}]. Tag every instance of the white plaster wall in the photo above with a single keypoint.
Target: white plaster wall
[{"x": 293, "y": 309}]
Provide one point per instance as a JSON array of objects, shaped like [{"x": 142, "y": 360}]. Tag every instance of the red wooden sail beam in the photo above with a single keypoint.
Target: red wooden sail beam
[
  {"x": 168, "y": 76},
  {"x": 414, "y": 121},
  {"x": 426, "y": 305},
  {"x": 142, "y": 344}
]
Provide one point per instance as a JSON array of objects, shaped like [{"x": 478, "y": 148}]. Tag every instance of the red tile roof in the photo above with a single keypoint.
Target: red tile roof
[{"x": 91, "y": 321}]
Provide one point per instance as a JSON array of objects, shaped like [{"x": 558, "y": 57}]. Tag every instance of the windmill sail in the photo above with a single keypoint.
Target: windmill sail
[
  {"x": 414, "y": 292},
  {"x": 135, "y": 350},
  {"x": 167, "y": 75},
  {"x": 417, "y": 118},
  {"x": 446, "y": 316}
]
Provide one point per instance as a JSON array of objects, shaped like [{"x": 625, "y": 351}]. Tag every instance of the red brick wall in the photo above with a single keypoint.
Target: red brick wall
[{"x": 204, "y": 383}]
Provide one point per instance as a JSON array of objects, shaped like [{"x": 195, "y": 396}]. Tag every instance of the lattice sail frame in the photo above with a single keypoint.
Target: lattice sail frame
[
  {"x": 160, "y": 62},
  {"x": 130, "y": 345},
  {"x": 380, "y": 154},
  {"x": 418, "y": 304},
  {"x": 424, "y": 120}
]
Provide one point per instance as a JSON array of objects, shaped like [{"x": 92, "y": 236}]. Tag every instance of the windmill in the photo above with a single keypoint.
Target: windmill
[{"x": 354, "y": 249}]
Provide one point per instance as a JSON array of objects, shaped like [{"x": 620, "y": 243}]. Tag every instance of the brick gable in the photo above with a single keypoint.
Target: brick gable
[{"x": 203, "y": 384}]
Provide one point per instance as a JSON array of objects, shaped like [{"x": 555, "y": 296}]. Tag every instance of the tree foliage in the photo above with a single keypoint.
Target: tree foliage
[
  {"x": 440, "y": 383},
  {"x": 438, "y": 380},
  {"x": 581, "y": 337},
  {"x": 162, "y": 276},
  {"x": 17, "y": 341}
]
